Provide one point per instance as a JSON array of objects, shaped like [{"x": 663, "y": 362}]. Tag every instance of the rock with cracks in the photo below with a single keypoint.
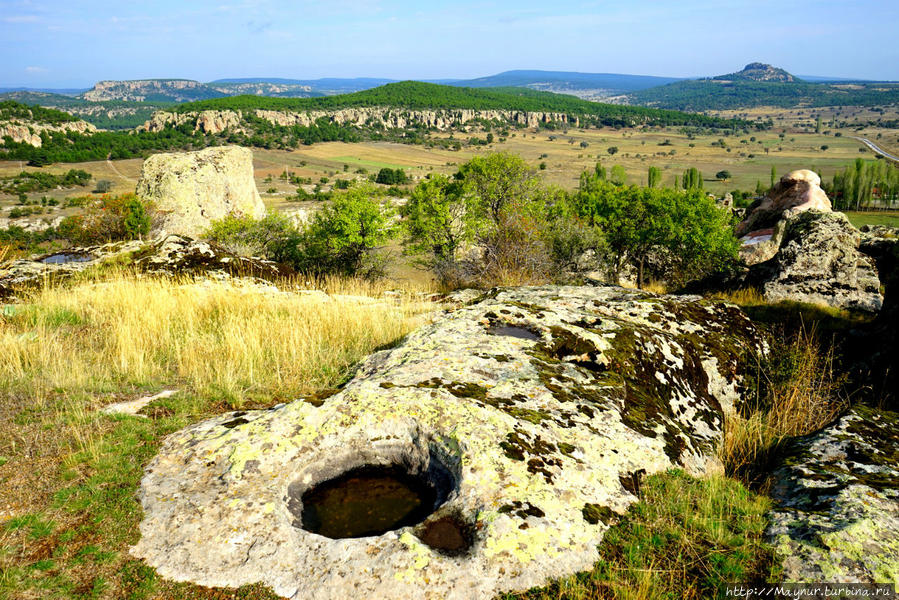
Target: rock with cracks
[
  {"x": 818, "y": 261},
  {"x": 837, "y": 514},
  {"x": 533, "y": 410}
]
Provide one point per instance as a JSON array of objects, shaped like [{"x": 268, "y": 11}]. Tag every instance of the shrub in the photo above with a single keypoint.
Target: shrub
[
  {"x": 110, "y": 218},
  {"x": 388, "y": 176},
  {"x": 270, "y": 237}
]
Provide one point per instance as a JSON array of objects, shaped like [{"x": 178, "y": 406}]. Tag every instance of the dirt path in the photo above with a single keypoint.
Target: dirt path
[{"x": 119, "y": 173}]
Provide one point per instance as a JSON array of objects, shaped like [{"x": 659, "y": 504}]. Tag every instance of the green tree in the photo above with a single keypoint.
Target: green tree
[
  {"x": 612, "y": 150},
  {"x": 438, "y": 220},
  {"x": 723, "y": 175},
  {"x": 654, "y": 177},
  {"x": 497, "y": 181},
  {"x": 773, "y": 175},
  {"x": 692, "y": 179},
  {"x": 618, "y": 175},
  {"x": 685, "y": 229},
  {"x": 343, "y": 235},
  {"x": 136, "y": 220}
]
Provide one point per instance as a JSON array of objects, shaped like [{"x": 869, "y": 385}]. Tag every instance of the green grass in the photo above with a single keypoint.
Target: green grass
[
  {"x": 890, "y": 218},
  {"x": 685, "y": 538}
]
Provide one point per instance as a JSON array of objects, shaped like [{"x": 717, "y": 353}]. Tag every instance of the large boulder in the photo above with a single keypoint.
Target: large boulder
[
  {"x": 836, "y": 518},
  {"x": 818, "y": 261},
  {"x": 530, "y": 413},
  {"x": 190, "y": 189},
  {"x": 171, "y": 255},
  {"x": 797, "y": 191}
]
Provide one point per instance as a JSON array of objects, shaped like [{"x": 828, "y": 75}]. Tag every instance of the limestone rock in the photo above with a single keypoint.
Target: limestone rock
[
  {"x": 796, "y": 191},
  {"x": 171, "y": 255},
  {"x": 29, "y": 132},
  {"x": 818, "y": 261},
  {"x": 532, "y": 409},
  {"x": 191, "y": 189},
  {"x": 837, "y": 513}
]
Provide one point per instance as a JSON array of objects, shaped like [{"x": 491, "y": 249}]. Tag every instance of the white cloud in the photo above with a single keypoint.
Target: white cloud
[
  {"x": 35, "y": 70},
  {"x": 21, "y": 19}
]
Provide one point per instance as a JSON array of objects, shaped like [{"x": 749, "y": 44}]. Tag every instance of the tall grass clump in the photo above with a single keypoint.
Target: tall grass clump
[
  {"x": 797, "y": 391},
  {"x": 685, "y": 538}
]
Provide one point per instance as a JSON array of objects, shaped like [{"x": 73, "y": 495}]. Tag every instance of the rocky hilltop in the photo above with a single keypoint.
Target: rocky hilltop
[
  {"x": 760, "y": 72},
  {"x": 171, "y": 90},
  {"x": 217, "y": 121}
]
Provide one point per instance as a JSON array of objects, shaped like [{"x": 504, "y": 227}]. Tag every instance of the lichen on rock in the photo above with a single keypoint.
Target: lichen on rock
[
  {"x": 542, "y": 435},
  {"x": 837, "y": 494},
  {"x": 191, "y": 189}
]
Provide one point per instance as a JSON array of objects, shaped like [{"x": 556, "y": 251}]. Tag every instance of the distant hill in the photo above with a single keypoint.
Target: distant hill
[
  {"x": 417, "y": 95},
  {"x": 300, "y": 88},
  {"x": 584, "y": 85},
  {"x": 151, "y": 90},
  {"x": 763, "y": 85},
  {"x": 759, "y": 72}
]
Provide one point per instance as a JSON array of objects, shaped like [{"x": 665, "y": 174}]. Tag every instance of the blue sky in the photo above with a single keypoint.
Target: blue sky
[{"x": 68, "y": 43}]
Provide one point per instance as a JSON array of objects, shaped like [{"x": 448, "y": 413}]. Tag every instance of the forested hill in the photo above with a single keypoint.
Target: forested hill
[
  {"x": 10, "y": 110},
  {"x": 416, "y": 95}
]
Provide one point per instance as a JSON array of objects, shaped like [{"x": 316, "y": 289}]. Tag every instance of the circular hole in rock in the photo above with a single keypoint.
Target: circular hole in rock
[
  {"x": 372, "y": 500},
  {"x": 448, "y": 535}
]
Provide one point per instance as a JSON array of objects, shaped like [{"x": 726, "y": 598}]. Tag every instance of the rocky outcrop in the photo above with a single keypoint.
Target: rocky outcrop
[
  {"x": 390, "y": 118},
  {"x": 171, "y": 255},
  {"x": 532, "y": 413},
  {"x": 140, "y": 90},
  {"x": 837, "y": 495},
  {"x": 29, "y": 132},
  {"x": 191, "y": 189},
  {"x": 818, "y": 261},
  {"x": 796, "y": 192}
]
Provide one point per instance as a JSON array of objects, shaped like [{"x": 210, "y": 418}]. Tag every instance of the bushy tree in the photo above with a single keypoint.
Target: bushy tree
[
  {"x": 343, "y": 236},
  {"x": 684, "y": 229}
]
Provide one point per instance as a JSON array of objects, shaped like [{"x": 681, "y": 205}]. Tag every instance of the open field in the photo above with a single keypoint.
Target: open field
[
  {"x": 890, "y": 218},
  {"x": 563, "y": 154}
]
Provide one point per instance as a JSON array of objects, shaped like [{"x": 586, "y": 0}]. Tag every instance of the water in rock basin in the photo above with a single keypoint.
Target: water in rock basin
[
  {"x": 63, "y": 258},
  {"x": 367, "y": 501}
]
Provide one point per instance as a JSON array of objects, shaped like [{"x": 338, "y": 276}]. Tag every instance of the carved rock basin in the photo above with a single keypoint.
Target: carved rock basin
[{"x": 528, "y": 445}]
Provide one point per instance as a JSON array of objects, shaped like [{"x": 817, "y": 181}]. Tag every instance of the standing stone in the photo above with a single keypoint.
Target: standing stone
[{"x": 191, "y": 189}]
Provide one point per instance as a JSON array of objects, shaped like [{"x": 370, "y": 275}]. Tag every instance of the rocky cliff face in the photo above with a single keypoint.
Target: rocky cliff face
[
  {"x": 532, "y": 410},
  {"x": 173, "y": 90},
  {"x": 30, "y": 132},
  {"x": 219, "y": 121},
  {"x": 190, "y": 189}
]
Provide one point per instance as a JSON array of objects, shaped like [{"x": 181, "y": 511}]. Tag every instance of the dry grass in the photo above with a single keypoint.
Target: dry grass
[
  {"x": 68, "y": 473},
  {"x": 143, "y": 332},
  {"x": 797, "y": 392}
]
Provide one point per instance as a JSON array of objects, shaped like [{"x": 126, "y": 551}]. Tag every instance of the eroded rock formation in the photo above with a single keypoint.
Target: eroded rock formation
[
  {"x": 837, "y": 514},
  {"x": 29, "y": 132},
  {"x": 191, "y": 189},
  {"x": 818, "y": 261},
  {"x": 217, "y": 121},
  {"x": 534, "y": 410},
  {"x": 172, "y": 255}
]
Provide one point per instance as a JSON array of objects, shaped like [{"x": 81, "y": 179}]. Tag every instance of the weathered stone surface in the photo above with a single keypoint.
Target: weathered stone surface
[
  {"x": 837, "y": 513},
  {"x": 796, "y": 192},
  {"x": 29, "y": 132},
  {"x": 171, "y": 255},
  {"x": 191, "y": 189},
  {"x": 542, "y": 403},
  {"x": 818, "y": 261}
]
